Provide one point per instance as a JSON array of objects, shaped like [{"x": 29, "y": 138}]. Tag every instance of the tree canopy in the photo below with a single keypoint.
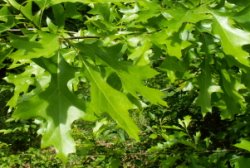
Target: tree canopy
[{"x": 51, "y": 49}]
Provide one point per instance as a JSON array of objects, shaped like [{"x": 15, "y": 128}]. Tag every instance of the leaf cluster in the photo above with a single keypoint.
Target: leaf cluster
[{"x": 71, "y": 59}]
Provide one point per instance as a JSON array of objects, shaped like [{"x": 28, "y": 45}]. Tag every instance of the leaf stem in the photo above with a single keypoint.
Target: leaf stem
[{"x": 79, "y": 37}]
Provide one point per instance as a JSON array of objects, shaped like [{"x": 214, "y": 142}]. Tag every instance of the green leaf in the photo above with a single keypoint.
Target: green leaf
[
  {"x": 241, "y": 162},
  {"x": 56, "y": 105},
  {"x": 114, "y": 81},
  {"x": 125, "y": 71},
  {"x": 244, "y": 144},
  {"x": 148, "y": 9},
  {"x": 104, "y": 98},
  {"x": 239, "y": 2},
  {"x": 170, "y": 42},
  {"x": 140, "y": 54},
  {"x": 22, "y": 82},
  {"x": 14, "y": 4},
  {"x": 205, "y": 82},
  {"x": 179, "y": 14},
  {"x": 70, "y": 11},
  {"x": 153, "y": 136},
  {"x": 27, "y": 11},
  {"x": 169, "y": 38},
  {"x": 185, "y": 122},
  {"x": 59, "y": 15},
  {"x": 7, "y": 18},
  {"x": 103, "y": 10},
  {"x": 232, "y": 39},
  {"x": 233, "y": 99},
  {"x": 246, "y": 79},
  {"x": 4, "y": 52},
  {"x": 136, "y": 85},
  {"x": 44, "y": 44},
  {"x": 173, "y": 66},
  {"x": 54, "y": 2},
  {"x": 242, "y": 18}
]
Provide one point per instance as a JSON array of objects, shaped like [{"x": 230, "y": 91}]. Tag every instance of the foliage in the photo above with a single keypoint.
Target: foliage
[{"x": 71, "y": 59}]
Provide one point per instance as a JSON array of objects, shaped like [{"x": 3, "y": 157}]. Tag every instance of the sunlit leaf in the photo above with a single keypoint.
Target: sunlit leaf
[
  {"x": 104, "y": 98},
  {"x": 22, "y": 83},
  {"x": 56, "y": 105},
  {"x": 244, "y": 144},
  {"x": 46, "y": 46},
  {"x": 232, "y": 39},
  {"x": 54, "y": 2},
  {"x": 125, "y": 71},
  {"x": 136, "y": 86}
]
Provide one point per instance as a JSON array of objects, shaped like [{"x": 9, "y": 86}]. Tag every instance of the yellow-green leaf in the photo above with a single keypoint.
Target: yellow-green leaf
[
  {"x": 232, "y": 38},
  {"x": 244, "y": 144}
]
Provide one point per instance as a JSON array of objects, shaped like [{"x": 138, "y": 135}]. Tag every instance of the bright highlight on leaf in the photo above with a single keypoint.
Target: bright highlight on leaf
[
  {"x": 55, "y": 105},
  {"x": 244, "y": 144},
  {"x": 41, "y": 45},
  {"x": 232, "y": 39}
]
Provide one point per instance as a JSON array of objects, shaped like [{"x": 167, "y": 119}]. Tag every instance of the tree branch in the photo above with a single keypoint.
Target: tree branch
[{"x": 80, "y": 37}]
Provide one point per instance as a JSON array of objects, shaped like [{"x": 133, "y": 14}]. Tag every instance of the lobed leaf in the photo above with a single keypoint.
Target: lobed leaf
[
  {"x": 55, "y": 105},
  {"x": 6, "y": 18},
  {"x": 125, "y": 71},
  {"x": 232, "y": 97},
  {"x": 232, "y": 39},
  {"x": 44, "y": 44},
  {"x": 104, "y": 98},
  {"x": 205, "y": 82}
]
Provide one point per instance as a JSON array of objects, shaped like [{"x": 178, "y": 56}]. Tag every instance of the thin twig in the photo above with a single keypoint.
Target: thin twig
[
  {"x": 80, "y": 37},
  {"x": 19, "y": 30},
  {"x": 33, "y": 29},
  {"x": 63, "y": 38}
]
